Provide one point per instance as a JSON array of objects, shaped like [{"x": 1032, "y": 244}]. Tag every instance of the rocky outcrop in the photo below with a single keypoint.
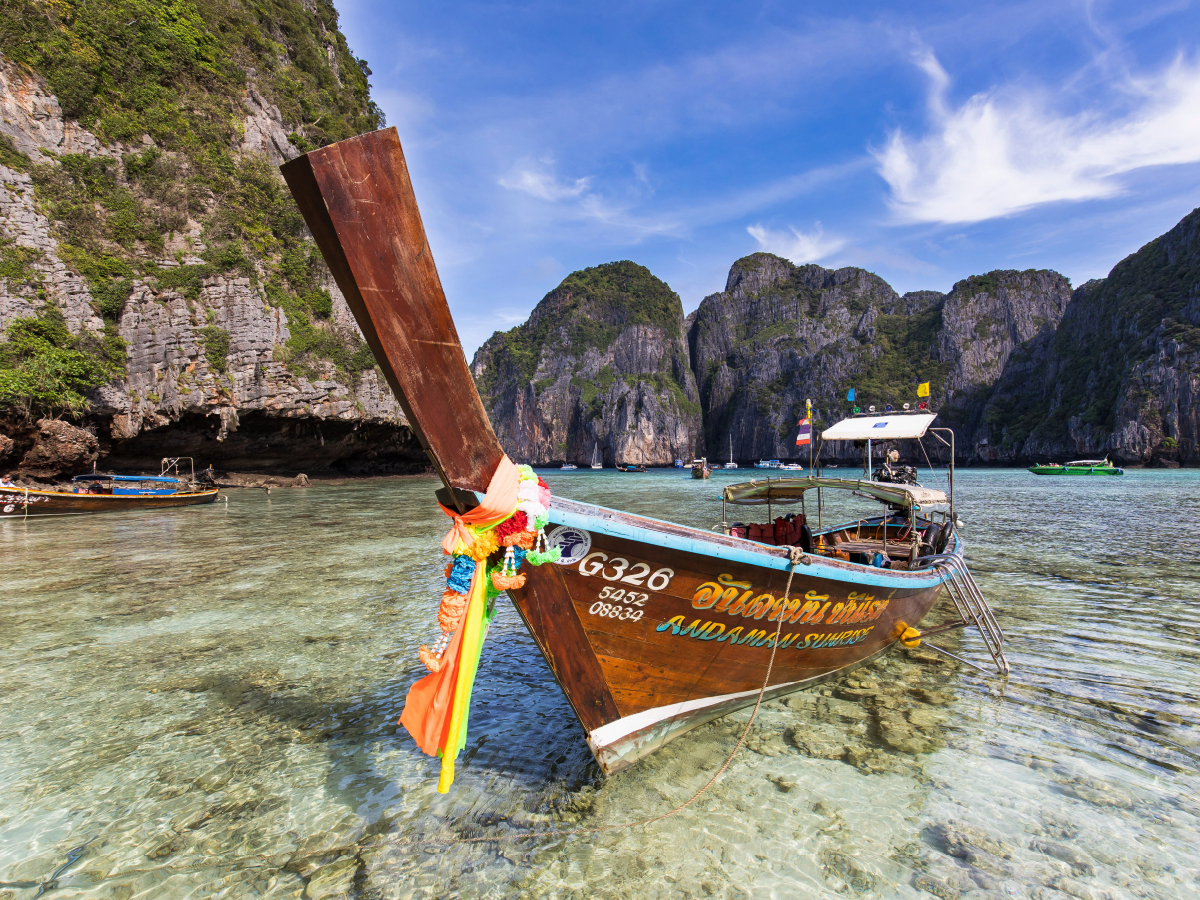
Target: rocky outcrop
[
  {"x": 58, "y": 448},
  {"x": 984, "y": 320},
  {"x": 211, "y": 368},
  {"x": 1119, "y": 376},
  {"x": 602, "y": 362},
  {"x": 780, "y": 334}
]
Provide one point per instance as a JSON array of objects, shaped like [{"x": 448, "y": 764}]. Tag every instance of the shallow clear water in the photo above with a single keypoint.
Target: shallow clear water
[{"x": 203, "y": 702}]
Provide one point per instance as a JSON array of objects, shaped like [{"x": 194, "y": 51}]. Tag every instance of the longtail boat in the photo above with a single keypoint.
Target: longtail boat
[
  {"x": 104, "y": 493},
  {"x": 1078, "y": 467},
  {"x": 650, "y": 627}
]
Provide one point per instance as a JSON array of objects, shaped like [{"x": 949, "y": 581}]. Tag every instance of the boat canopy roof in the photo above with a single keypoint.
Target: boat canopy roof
[
  {"x": 897, "y": 426},
  {"x": 158, "y": 478},
  {"x": 1088, "y": 462},
  {"x": 791, "y": 490}
]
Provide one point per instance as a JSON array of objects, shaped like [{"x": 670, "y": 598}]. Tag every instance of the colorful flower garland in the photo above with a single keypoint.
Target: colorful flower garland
[{"x": 488, "y": 545}]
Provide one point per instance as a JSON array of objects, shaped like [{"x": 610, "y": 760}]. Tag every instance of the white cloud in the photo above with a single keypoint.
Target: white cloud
[
  {"x": 1002, "y": 152},
  {"x": 509, "y": 316},
  {"x": 797, "y": 246},
  {"x": 544, "y": 184}
]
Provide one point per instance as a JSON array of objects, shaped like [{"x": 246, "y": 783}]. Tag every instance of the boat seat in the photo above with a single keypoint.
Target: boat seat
[{"x": 786, "y": 531}]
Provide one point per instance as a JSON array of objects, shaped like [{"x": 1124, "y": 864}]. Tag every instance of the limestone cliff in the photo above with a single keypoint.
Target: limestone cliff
[
  {"x": 140, "y": 207},
  {"x": 1120, "y": 375},
  {"x": 602, "y": 361},
  {"x": 780, "y": 333}
]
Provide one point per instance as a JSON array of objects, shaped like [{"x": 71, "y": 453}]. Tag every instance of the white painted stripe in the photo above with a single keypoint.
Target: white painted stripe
[{"x": 614, "y": 731}]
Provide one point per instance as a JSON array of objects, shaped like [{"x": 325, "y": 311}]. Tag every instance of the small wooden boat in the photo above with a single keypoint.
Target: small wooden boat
[
  {"x": 635, "y": 469},
  {"x": 1079, "y": 467},
  {"x": 701, "y": 468},
  {"x": 104, "y": 493},
  {"x": 650, "y": 627}
]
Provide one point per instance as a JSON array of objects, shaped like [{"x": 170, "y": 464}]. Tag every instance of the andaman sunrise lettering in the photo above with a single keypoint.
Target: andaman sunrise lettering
[
  {"x": 810, "y": 609},
  {"x": 757, "y": 637}
]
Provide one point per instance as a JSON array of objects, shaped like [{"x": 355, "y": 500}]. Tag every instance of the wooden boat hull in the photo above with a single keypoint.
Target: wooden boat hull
[
  {"x": 656, "y": 655},
  {"x": 653, "y": 628},
  {"x": 18, "y": 503}
]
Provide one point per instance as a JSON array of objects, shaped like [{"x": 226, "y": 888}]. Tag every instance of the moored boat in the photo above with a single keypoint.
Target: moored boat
[
  {"x": 701, "y": 468},
  {"x": 650, "y": 627},
  {"x": 1079, "y": 467},
  {"x": 104, "y": 493}
]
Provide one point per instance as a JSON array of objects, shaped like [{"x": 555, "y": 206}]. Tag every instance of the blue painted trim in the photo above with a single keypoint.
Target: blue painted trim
[{"x": 863, "y": 575}]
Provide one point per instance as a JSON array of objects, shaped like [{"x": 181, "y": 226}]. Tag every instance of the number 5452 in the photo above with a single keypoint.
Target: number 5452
[{"x": 597, "y": 563}]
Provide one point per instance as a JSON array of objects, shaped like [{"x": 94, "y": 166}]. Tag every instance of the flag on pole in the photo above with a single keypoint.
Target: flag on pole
[
  {"x": 923, "y": 389},
  {"x": 850, "y": 395},
  {"x": 804, "y": 435}
]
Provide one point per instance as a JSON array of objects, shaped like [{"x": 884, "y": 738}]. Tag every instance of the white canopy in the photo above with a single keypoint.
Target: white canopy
[
  {"x": 790, "y": 490},
  {"x": 880, "y": 428}
]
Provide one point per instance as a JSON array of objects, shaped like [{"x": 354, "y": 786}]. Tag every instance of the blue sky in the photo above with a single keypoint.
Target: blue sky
[{"x": 922, "y": 141}]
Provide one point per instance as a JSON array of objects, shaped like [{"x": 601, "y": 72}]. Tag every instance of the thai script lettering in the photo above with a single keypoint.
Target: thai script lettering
[{"x": 739, "y": 599}]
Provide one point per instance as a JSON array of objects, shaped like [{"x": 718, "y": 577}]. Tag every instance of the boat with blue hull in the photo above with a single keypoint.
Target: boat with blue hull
[
  {"x": 650, "y": 627},
  {"x": 103, "y": 493}
]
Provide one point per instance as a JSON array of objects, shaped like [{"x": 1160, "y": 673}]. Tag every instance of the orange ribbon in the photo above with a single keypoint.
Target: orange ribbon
[{"x": 498, "y": 504}]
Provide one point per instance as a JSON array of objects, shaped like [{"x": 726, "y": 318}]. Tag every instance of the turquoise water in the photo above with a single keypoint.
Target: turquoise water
[{"x": 203, "y": 702}]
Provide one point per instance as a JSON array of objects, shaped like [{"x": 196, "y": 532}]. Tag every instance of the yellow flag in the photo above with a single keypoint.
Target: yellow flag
[{"x": 923, "y": 389}]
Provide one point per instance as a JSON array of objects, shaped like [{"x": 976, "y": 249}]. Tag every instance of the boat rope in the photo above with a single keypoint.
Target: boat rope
[{"x": 796, "y": 557}]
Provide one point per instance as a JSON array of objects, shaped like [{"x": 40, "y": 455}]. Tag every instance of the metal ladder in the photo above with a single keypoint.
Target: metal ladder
[{"x": 968, "y": 600}]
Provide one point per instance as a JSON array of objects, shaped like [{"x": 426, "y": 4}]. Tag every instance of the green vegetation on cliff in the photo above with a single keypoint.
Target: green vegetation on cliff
[
  {"x": 165, "y": 85},
  {"x": 587, "y": 310},
  {"x": 900, "y": 357},
  {"x": 46, "y": 370}
]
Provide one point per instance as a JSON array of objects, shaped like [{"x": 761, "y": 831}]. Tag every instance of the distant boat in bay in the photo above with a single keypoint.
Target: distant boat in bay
[{"x": 1079, "y": 467}]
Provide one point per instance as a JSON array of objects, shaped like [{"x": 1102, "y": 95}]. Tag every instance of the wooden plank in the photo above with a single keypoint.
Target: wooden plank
[{"x": 358, "y": 201}]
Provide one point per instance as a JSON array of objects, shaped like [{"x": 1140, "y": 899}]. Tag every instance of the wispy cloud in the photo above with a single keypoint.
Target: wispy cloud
[
  {"x": 541, "y": 182},
  {"x": 508, "y": 315},
  {"x": 1002, "y": 152},
  {"x": 796, "y": 245}
]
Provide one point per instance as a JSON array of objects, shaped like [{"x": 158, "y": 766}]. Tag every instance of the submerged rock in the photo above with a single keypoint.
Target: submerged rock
[{"x": 332, "y": 881}]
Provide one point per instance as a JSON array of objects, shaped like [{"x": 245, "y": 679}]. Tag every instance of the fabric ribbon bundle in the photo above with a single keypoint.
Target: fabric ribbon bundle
[{"x": 488, "y": 545}]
